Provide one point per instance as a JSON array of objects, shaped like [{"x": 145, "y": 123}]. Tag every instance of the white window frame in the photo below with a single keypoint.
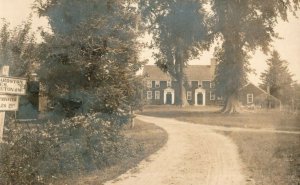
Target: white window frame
[
  {"x": 212, "y": 96},
  {"x": 189, "y": 95},
  {"x": 149, "y": 84},
  {"x": 149, "y": 95},
  {"x": 157, "y": 95},
  {"x": 157, "y": 83},
  {"x": 169, "y": 83},
  {"x": 250, "y": 96},
  {"x": 212, "y": 85}
]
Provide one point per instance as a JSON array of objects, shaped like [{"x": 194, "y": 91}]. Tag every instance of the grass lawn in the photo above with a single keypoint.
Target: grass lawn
[
  {"x": 269, "y": 119},
  {"x": 150, "y": 137},
  {"x": 269, "y": 158}
]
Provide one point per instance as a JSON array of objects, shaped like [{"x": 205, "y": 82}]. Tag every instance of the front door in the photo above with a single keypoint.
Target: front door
[
  {"x": 199, "y": 99},
  {"x": 169, "y": 98}
]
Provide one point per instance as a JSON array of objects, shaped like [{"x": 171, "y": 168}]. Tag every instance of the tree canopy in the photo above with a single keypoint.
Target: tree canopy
[
  {"x": 180, "y": 32},
  {"x": 18, "y": 48},
  {"x": 243, "y": 26},
  {"x": 92, "y": 55}
]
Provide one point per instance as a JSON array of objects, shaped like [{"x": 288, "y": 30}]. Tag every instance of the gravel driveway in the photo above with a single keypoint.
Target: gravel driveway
[{"x": 194, "y": 155}]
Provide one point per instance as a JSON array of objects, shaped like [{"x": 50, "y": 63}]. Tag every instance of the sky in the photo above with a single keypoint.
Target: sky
[{"x": 17, "y": 11}]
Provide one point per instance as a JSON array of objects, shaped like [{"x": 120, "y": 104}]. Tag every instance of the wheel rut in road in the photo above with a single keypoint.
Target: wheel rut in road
[{"x": 193, "y": 155}]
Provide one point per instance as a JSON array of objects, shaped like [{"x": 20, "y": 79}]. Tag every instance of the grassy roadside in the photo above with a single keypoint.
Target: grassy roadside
[
  {"x": 269, "y": 158},
  {"x": 148, "y": 136},
  {"x": 268, "y": 119}
]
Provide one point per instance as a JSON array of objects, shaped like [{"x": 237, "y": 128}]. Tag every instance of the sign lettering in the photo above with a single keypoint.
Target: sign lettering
[
  {"x": 10, "y": 85},
  {"x": 9, "y": 103}
]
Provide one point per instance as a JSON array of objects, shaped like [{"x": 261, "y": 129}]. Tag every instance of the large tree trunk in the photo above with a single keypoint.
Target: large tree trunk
[
  {"x": 182, "y": 92},
  {"x": 180, "y": 73},
  {"x": 231, "y": 105}
]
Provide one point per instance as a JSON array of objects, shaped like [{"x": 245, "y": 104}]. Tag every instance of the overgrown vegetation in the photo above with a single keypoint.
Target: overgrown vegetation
[
  {"x": 42, "y": 153},
  {"x": 147, "y": 137}
]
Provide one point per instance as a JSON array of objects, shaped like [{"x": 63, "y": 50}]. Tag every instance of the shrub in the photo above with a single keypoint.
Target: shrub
[{"x": 44, "y": 153}]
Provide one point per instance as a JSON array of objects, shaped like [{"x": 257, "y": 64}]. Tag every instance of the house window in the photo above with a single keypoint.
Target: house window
[
  {"x": 157, "y": 84},
  {"x": 169, "y": 83},
  {"x": 249, "y": 98},
  {"x": 205, "y": 83},
  {"x": 212, "y": 85},
  {"x": 189, "y": 95},
  {"x": 149, "y": 84},
  {"x": 149, "y": 95},
  {"x": 157, "y": 95},
  {"x": 212, "y": 96}
]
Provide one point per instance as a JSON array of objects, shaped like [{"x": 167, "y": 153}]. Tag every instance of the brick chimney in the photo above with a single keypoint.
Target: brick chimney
[{"x": 213, "y": 64}]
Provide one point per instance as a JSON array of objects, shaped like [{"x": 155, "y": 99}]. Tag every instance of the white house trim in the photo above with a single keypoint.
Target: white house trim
[
  {"x": 169, "y": 90},
  {"x": 200, "y": 90}
]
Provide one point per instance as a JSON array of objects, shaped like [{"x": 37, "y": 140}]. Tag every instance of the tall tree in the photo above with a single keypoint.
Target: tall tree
[
  {"x": 278, "y": 78},
  {"x": 93, "y": 53},
  {"x": 243, "y": 26},
  {"x": 180, "y": 32}
]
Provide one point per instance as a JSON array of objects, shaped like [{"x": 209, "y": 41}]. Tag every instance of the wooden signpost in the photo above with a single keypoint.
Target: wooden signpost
[{"x": 10, "y": 88}]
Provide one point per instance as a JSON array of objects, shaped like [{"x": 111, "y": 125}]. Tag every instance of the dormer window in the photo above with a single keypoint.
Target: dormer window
[
  {"x": 157, "y": 83},
  {"x": 169, "y": 83}
]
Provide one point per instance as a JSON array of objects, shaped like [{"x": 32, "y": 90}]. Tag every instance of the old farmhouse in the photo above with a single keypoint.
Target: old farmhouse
[{"x": 161, "y": 88}]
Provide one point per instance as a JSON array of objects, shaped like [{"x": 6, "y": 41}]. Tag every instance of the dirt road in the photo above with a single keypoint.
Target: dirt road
[{"x": 193, "y": 155}]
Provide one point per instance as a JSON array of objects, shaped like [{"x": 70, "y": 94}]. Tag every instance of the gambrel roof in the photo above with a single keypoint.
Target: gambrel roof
[{"x": 193, "y": 73}]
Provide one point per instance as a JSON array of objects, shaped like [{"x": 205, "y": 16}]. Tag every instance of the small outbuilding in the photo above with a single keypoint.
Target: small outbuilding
[{"x": 250, "y": 95}]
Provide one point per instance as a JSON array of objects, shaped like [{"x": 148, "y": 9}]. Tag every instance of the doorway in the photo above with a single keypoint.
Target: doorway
[
  {"x": 169, "y": 98},
  {"x": 199, "y": 99}
]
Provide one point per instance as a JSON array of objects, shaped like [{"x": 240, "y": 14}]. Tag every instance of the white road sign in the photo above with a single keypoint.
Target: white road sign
[
  {"x": 9, "y": 85},
  {"x": 9, "y": 102}
]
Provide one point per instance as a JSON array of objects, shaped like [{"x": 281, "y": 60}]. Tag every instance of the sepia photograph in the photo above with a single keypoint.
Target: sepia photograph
[{"x": 149, "y": 92}]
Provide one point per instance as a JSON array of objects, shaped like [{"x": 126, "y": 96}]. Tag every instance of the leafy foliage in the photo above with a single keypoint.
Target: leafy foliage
[
  {"x": 92, "y": 56},
  {"x": 45, "y": 153},
  {"x": 180, "y": 31},
  {"x": 17, "y": 48},
  {"x": 243, "y": 26}
]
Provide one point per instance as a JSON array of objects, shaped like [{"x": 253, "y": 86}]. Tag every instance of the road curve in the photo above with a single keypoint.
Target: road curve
[{"x": 193, "y": 155}]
